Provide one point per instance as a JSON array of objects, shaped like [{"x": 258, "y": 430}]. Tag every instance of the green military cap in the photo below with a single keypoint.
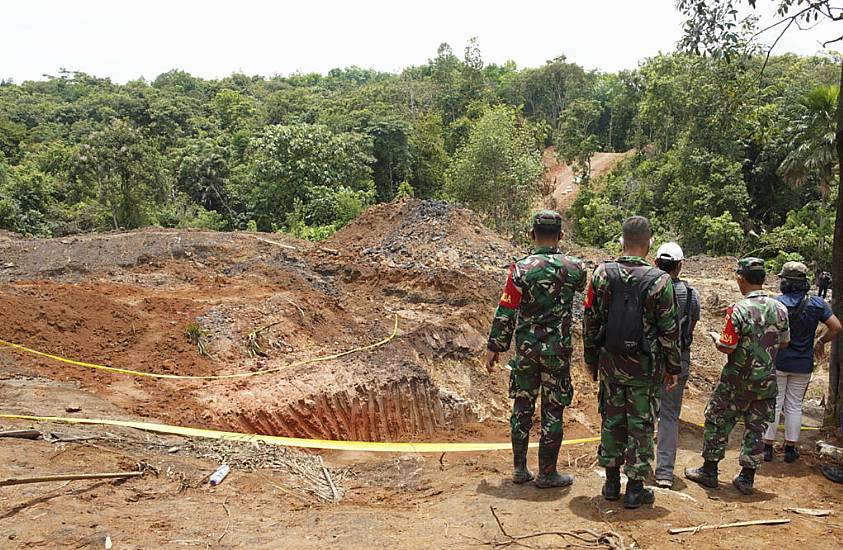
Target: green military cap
[
  {"x": 794, "y": 270},
  {"x": 547, "y": 218},
  {"x": 747, "y": 265}
]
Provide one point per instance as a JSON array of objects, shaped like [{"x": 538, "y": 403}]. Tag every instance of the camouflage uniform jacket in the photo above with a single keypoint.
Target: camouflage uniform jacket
[
  {"x": 661, "y": 327},
  {"x": 536, "y": 304},
  {"x": 755, "y": 328}
]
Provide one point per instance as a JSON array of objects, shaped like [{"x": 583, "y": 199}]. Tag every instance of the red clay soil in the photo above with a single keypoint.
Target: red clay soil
[
  {"x": 559, "y": 184},
  {"x": 125, "y": 299}
]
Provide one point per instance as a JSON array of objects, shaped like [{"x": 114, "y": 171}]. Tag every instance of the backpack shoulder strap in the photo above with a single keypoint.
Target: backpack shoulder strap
[
  {"x": 649, "y": 277},
  {"x": 613, "y": 272},
  {"x": 689, "y": 297},
  {"x": 800, "y": 309}
]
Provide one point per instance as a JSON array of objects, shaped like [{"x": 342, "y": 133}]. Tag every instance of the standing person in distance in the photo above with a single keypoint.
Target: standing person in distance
[
  {"x": 756, "y": 327},
  {"x": 536, "y": 305},
  {"x": 823, "y": 282},
  {"x": 669, "y": 258},
  {"x": 795, "y": 363},
  {"x": 631, "y": 337}
]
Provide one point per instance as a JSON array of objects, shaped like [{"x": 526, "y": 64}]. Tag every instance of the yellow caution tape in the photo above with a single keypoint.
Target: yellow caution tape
[
  {"x": 211, "y": 377},
  {"x": 803, "y": 428},
  {"x": 324, "y": 444},
  {"x": 363, "y": 446}
]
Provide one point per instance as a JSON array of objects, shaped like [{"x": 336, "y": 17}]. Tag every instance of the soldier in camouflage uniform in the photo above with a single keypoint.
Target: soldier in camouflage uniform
[
  {"x": 630, "y": 385},
  {"x": 756, "y": 327},
  {"x": 536, "y": 306}
]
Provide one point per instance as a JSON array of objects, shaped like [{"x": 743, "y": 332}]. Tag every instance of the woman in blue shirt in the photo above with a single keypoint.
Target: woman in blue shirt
[{"x": 795, "y": 363}]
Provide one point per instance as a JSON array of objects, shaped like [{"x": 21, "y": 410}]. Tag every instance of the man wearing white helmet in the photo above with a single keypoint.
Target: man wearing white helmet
[{"x": 669, "y": 258}]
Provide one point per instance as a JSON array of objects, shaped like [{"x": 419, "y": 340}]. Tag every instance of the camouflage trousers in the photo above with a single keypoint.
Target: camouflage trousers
[
  {"x": 728, "y": 405},
  {"x": 549, "y": 374},
  {"x": 626, "y": 436}
]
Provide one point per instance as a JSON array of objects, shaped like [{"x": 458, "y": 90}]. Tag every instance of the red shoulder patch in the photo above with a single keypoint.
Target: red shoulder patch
[
  {"x": 589, "y": 296},
  {"x": 511, "y": 297},
  {"x": 729, "y": 337}
]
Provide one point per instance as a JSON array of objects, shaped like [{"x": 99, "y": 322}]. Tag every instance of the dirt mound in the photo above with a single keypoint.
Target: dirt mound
[
  {"x": 6, "y": 236},
  {"x": 80, "y": 257},
  {"x": 419, "y": 234},
  {"x": 126, "y": 299}
]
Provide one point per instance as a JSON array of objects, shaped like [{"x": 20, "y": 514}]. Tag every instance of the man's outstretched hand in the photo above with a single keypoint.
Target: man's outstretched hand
[
  {"x": 491, "y": 360},
  {"x": 670, "y": 380}
]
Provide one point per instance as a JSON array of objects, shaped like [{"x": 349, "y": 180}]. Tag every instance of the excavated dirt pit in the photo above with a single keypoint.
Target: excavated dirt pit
[
  {"x": 399, "y": 409},
  {"x": 127, "y": 299}
]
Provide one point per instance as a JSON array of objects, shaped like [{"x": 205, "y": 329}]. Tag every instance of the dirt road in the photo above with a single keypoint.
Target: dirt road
[{"x": 560, "y": 184}]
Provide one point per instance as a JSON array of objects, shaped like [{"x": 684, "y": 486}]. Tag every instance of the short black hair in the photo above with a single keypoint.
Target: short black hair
[
  {"x": 637, "y": 231},
  {"x": 667, "y": 265},
  {"x": 547, "y": 231},
  {"x": 754, "y": 277},
  {"x": 787, "y": 285}
]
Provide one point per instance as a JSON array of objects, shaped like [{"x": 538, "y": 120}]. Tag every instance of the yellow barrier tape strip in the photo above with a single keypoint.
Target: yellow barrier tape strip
[
  {"x": 362, "y": 446},
  {"x": 323, "y": 444},
  {"x": 803, "y": 428},
  {"x": 210, "y": 377}
]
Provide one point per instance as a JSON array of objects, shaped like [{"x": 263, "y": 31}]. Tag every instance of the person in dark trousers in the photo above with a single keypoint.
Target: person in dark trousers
[
  {"x": 823, "y": 283},
  {"x": 795, "y": 363},
  {"x": 669, "y": 259},
  {"x": 631, "y": 339}
]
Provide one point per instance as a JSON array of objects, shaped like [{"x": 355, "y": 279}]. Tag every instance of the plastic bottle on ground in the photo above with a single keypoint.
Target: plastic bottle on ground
[{"x": 219, "y": 474}]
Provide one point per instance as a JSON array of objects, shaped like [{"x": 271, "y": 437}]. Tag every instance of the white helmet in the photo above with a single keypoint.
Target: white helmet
[{"x": 670, "y": 251}]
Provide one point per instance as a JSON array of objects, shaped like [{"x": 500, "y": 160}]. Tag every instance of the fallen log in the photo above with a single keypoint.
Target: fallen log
[
  {"x": 276, "y": 243},
  {"x": 22, "y": 434},
  {"x": 727, "y": 525},
  {"x": 815, "y": 512},
  {"x": 66, "y": 477}
]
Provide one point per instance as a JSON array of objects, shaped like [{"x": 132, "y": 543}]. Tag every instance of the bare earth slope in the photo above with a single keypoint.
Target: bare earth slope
[
  {"x": 560, "y": 183},
  {"x": 125, "y": 299}
]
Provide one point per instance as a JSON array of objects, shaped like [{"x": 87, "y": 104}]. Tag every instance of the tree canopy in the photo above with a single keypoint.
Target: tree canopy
[{"x": 721, "y": 163}]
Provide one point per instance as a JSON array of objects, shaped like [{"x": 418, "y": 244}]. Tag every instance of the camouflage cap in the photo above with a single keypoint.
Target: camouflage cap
[
  {"x": 794, "y": 270},
  {"x": 547, "y": 218},
  {"x": 748, "y": 265}
]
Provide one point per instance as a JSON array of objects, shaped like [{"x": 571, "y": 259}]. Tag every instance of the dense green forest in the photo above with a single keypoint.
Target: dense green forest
[{"x": 728, "y": 158}]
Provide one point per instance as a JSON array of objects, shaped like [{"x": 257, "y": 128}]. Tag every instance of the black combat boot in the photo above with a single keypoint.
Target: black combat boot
[
  {"x": 520, "y": 472},
  {"x": 768, "y": 452},
  {"x": 548, "y": 476},
  {"x": 705, "y": 476},
  {"x": 744, "y": 480},
  {"x": 791, "y": 454},
  {"x": 637, "y": 495},
  {"x": 612, "y": 486}
]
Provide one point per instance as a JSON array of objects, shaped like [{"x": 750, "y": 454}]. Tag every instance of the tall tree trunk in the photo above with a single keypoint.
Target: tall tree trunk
[
  {"x": 835, "y": 369},
  {"x": 611, "y": 129}
]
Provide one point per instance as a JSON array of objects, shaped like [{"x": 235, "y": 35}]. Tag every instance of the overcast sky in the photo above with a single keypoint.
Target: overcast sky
[{"x": 125, "y": 39}]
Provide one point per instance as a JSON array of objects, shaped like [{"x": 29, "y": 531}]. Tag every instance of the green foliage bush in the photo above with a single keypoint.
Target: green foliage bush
[
  {"x": 721, "y": 235},
  {"x": 496, "y": 171},
  {"x": 405, "y": 191},
  {"x": 774, "y": 265}
]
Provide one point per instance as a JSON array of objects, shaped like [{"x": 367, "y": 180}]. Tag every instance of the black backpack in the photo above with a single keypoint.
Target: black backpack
[{"x": 623, "y": 332}]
